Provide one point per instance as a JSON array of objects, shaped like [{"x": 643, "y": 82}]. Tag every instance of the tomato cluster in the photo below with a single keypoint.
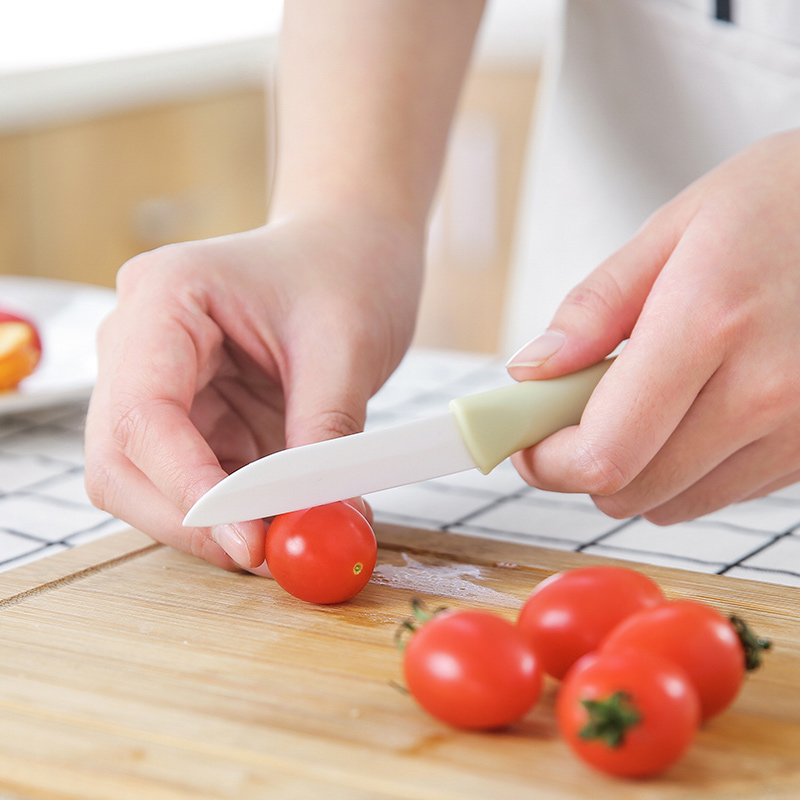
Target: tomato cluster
[{"x": 638, "y": 673}]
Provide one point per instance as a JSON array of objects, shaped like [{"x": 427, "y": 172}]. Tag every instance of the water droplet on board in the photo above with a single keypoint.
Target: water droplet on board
[{"x": 447, "y": 580}]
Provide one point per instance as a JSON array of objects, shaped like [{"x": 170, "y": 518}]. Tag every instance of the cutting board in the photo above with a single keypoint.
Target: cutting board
[{"x": 129, "y": 670}]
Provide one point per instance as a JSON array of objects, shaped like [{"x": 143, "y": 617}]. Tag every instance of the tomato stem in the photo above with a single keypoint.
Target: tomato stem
[
  {"x": 421, "y": 613},
  {"x": 405, "y": 629},
  {"x": 610, "y": 718},
  {"x": 409, "y": 626},
  {"x": 753, "y": 646},
  {"x": 399, "y": 687}
]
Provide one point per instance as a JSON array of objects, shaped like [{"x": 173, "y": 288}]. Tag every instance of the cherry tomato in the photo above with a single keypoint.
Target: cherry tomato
[
  {"x": 570, "y": 613},
  {"x": 322, "y": 555},
  {"x": 698, "y": 638},
  {"x": 472, "y": 669},
  {"x": 630, "y": 713},
  {"x": 363, "y": 508},
  {"x": 20, "y": 349}
]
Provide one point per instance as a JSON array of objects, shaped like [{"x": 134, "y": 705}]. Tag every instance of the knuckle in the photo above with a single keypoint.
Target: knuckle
[
  {"x": 321, "y": 427},
  {"x": 598, "y": 295},
  {"x": 666, "y": 516},
  {"x": 163, "y": 267},
  {"x": 134, "y": 271},
  {"x": 201, "y": 545},
  {"x": 617, "y": 506},
  {"x": 132, "y": 429},
  {"x": 605, "y": 469},
  {"x": 333, "y": 424},
  {"x": 106, "y": 327},
  {"x": 97, "y": 482},
  {"x": 774, "y": 399},
  {"x": 135, "y": 435},
  {"x": 129, "y": 426},
  {"x": 185, "y": 491}
]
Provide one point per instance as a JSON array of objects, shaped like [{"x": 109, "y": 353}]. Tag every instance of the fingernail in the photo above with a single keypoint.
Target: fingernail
[
  {"x": 233, "y": 543},
  {"x": 538, "y": 350},
  {"x": 262, "y": 571}
]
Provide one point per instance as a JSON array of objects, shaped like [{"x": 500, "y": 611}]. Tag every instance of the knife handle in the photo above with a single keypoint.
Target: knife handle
[{"x": 500, "y": 422}]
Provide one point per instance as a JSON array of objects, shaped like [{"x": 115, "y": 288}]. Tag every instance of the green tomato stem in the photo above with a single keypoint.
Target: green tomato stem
[
  {"x": 610, "y": 718},
  {"x": 409, "y": 626},
  {"x": 753, "y": 645}
]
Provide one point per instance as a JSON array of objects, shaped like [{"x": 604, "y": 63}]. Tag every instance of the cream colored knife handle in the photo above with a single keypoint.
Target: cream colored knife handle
[{"x": 500, "y": 422}]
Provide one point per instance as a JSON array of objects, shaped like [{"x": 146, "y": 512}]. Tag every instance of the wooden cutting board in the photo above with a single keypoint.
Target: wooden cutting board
[{"x": 129, "y": 670}]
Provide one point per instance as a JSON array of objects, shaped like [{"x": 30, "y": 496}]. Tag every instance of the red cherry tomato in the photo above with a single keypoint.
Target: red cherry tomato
[
  {"x": 570, "y": 613},
  {"x": 472, "y": 669},
  {"x": 630, "y": 714},
  {"x": 698, "y": 638},
  {"x": 322, "y": 555}
]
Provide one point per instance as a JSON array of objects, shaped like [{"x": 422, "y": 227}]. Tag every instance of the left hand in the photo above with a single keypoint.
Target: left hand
[
  {"x": 224, "y": 350},
  {"x": 702, "y": 407}
]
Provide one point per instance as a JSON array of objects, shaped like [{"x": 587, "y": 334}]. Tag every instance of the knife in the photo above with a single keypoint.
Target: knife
[{"x": 479, "y": 430}]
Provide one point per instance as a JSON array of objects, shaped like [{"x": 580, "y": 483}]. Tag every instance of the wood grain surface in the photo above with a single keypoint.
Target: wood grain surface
[{"x": 129, "y": 670}]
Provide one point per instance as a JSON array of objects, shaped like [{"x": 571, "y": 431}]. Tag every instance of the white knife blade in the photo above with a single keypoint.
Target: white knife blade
[{"x": 479, "y": 430}]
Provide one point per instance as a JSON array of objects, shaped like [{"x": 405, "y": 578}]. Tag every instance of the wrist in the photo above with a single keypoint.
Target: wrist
[
  {"x": 351, "y": 213},
  {"x": 338, "y": 188}
]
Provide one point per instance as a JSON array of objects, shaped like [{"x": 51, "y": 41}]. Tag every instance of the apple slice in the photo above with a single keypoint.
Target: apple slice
[{"x": 20, "y": 349}]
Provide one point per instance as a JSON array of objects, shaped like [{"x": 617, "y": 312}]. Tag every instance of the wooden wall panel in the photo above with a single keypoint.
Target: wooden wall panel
[
  {"x": 15, "y": 237},
  {"x": 102, "y": 190}
]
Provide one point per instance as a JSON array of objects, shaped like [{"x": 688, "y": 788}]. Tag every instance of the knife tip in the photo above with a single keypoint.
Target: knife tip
[{"x": 195, "y": 518}]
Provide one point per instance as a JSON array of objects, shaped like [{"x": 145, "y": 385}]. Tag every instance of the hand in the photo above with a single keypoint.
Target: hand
[
  {"x": 222, "y": 351},
  {"x": 701, "y": 408}
]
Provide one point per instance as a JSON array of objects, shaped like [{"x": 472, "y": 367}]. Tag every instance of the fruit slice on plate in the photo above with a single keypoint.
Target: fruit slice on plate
[{"x": 20, "y": 349}]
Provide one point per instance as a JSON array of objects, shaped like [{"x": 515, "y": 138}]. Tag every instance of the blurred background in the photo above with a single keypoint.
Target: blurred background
[{"x": 124, "y": 130}]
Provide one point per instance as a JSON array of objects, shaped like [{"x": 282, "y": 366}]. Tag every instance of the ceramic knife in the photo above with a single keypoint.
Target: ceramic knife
[{"x": 476, "y": 431}]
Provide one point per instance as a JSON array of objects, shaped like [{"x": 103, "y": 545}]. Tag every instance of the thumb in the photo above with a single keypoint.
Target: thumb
[
  {"x": 325, "y": 398},
  {"x": 599, "y": 313}
]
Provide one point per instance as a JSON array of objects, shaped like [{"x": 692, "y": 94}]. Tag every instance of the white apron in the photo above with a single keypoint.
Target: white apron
[{"x": 638, "y": 99}]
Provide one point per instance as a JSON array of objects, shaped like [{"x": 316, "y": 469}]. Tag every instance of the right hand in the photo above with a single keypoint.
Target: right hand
[{"x": 225, "y": 350}]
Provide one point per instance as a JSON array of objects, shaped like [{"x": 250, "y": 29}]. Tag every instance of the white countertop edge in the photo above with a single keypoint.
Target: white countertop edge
[
  {"x": 58, "y": 96},
  {"x": 514, "y": 36}
]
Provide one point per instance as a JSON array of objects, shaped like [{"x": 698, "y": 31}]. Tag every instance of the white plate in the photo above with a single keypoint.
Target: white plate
[{"x": 67, "y": 315}]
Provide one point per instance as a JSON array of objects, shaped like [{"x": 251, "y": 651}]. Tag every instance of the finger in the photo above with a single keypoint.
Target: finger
[
  {"x": 117, "y": 486},
  {"x": 627, "y": 421},
  {"x": 149, "y": 382},
  {"x": 175, "y": 467},
  {"x": 263, "y": 571},
  {"x": 602, "y": 310},
  {"x": 122, "y": 489},
  {"x": 241, "y": 421},
  {"x": 783, "y": 482},
  {"x": 643, "y": 397},
  {"x": 326, "y": 392},
  {"x": 718, "y": 424},
  {"x": 326, "y": 399},
  {"x": 752, "y": 471}
]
